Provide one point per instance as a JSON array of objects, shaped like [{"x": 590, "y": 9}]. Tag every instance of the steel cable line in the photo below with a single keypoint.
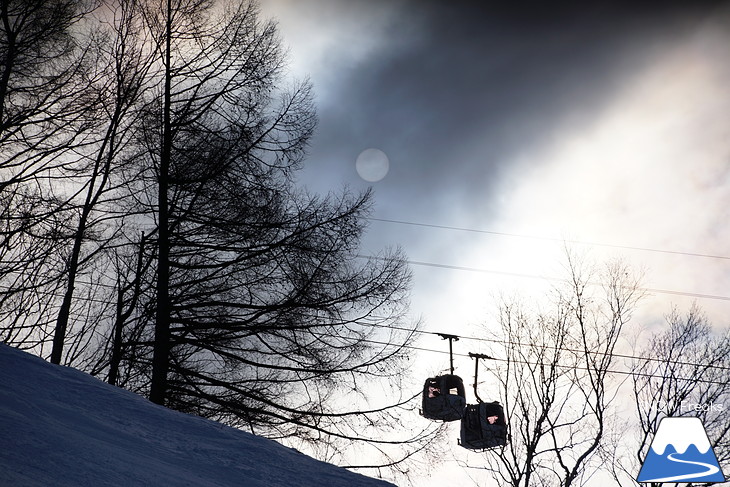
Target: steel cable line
[
  {"x": 525, "y": 362},
  {"x": 564, "y": 349},
  {"x": 494, "y": 340},
  {"x": 536, "y": 276},
  {"x": 552, "y": 239}
]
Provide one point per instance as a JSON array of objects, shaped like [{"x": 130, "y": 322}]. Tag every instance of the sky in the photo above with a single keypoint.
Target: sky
[
  {"x": 591, "y": 122},
  {"x": 511, "y": 128}
]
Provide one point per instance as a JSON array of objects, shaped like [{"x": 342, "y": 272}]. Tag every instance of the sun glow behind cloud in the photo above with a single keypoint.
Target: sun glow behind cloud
[{"x": 652, "y": 171}]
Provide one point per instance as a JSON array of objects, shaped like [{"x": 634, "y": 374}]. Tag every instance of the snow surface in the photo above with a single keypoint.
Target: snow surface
[
  {"x": 680, "y": 433},
  {"x": 60, "y": 427}
]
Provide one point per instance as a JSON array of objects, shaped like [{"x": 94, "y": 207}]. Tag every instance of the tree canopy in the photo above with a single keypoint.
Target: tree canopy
[{"x": 168, "y": 241}]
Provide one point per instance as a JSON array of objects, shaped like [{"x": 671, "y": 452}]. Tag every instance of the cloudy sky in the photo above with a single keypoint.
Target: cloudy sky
[
  {"x": 602, "y": 123},
  {"x": 605, "y": 124}
]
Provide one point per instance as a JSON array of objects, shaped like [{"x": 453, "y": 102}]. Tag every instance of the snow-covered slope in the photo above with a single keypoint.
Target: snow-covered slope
[{"x": 60, "y": 427}]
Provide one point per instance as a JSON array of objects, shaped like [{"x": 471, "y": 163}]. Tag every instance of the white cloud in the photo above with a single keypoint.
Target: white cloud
[
  {"x": 652, "y": 171},
  {"x": 328, "y": 39}
]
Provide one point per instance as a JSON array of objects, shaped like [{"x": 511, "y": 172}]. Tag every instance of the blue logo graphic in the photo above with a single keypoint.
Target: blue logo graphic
[{"x": 680, "y": 452}]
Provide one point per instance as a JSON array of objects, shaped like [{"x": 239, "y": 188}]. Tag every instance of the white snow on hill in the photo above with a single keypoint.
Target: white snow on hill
[{"x": 60, "y": 427}]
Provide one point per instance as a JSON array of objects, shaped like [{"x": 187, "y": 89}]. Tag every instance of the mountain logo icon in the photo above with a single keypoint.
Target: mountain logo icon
[{"x": 680, "y": 452}]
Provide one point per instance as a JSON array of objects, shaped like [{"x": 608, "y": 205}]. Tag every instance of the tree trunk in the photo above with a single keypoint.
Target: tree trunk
[{"x": 161, "y": 353}]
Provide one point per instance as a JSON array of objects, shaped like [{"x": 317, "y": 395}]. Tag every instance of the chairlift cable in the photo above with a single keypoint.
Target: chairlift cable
[
  {"x": 564, "y": 349},
  {"x": 537, "y": 276},
  {"x": 541, "y": 364},
  {"x": 553, "y": 239}
]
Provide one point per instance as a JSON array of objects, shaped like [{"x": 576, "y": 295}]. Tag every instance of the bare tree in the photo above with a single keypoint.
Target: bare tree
[
  {"x": 253, "y": 307},
  {"x": 554, "y": 376},
  {"x": 151, "y": 218},
  {"x": 44, "y": 113},
  {"x": 121, "y": 64},
  {"x": 683, "y": 370}
]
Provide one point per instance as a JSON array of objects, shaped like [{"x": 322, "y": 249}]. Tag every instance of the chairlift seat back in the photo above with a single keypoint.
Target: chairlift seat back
[
  {"x": 444, "y": 398},
  {"x": 477, "y": 432}
]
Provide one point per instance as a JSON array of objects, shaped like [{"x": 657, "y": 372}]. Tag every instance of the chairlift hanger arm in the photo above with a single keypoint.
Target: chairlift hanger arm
[
  {"x": 477, "y": 356},
  {"x": 451, "y": 339}
]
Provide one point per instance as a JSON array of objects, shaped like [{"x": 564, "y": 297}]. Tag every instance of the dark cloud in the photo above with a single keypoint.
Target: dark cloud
[{"x": 456, "y": 89}]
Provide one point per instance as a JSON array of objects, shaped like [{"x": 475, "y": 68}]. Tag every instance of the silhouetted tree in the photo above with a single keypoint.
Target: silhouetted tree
[
  {"x": 259, "y": 311},
  {"x": 554, "y": 376},
  {"x": 121, "y": 65},
  {"x": 684, "y": 370},
  {"x": 44, "y": 114},
  {"x": 154, "y": 234}
]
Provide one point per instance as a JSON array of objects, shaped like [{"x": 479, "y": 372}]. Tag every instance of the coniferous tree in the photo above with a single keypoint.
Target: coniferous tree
[
  {"x": 45, "y": 112},
  {"x": 259, "y": 310},
  {"x": 151, "y": 218}
]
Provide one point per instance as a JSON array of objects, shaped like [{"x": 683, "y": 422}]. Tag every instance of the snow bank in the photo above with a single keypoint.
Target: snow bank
[{"x": 60, "y": 427}]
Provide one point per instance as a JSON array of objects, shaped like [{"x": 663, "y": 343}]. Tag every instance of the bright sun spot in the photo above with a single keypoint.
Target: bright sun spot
[
  {"x": 372, "y": 165},
  {"x": 651, "y": 172}
]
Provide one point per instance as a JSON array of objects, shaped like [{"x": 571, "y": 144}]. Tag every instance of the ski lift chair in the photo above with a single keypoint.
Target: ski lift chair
[
  {"x": 483, "y": 426},
  {"x": 444, "y": 398}
]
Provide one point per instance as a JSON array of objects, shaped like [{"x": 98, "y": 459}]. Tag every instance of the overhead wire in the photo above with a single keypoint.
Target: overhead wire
[
  {"x": 565, "y": 349},
  {"x": 521, "y": 344},
  {"x": 546, "y": 278},
  {"x": 536, "y": 237},
  {"x": 526, "y": 362},
  {"x": 553, "y": 239},
  {"x": 512, "y": 343},
  {"x": 536, "y": 276}
]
